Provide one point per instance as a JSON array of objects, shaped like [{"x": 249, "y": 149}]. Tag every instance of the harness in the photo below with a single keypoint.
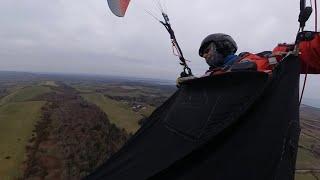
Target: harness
[{"x": 263, "y": 62}]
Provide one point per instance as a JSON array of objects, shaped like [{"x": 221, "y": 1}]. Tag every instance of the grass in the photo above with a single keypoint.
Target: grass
[
  {"x": 306, "y": 160},
  {"x": 24, "y": 94},
  {"x": 307, "y": 141},
  {"x": 304, "y": 176},
  {"x": 17, "y": 121},
  {"x": 119, "y": 114}
]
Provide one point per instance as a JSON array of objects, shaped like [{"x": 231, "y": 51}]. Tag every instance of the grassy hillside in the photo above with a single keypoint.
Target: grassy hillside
[
  {"x": 17, "y": 121},
  {"x": 118, "y": 113},
  {"x": 24, "y": 94}
]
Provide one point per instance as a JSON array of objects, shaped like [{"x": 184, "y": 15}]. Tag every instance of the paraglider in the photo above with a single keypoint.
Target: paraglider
[{"x": 225, "y": 126}]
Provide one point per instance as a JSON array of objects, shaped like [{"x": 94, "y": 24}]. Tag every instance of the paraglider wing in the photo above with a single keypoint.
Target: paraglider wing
[{"x": 118, "y": 7}]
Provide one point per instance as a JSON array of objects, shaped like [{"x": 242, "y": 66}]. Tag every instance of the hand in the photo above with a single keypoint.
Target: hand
[{"x": 181, "y": 80}]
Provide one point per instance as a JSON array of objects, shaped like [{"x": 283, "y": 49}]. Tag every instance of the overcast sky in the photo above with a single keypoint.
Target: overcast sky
[{"x": 81, "y": 36}]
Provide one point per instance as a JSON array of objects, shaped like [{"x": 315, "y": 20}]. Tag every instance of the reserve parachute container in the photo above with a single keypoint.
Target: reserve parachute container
[{"x": 118, "y": 7}]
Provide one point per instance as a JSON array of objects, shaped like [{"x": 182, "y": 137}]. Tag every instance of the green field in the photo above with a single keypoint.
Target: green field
[
  {"x": 18, "y": 115},
  {"x": 120, "y": 114},
  {"x": 24, "y": 94},
  {"x": 306, "y": 159},
  {"x": 307, "y": 141},
  {"x": 17, "y": 121}
]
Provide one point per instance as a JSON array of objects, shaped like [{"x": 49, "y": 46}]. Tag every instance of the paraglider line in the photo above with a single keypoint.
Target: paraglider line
[
  {"x": 303, "y": 88},
  {"x": 316, "y": 15},
  {"x": 152, "y": 15},
  {"x": 186, "y": 70},
  {"x": 160, "y": 6},
  {"x": 165, "y": 6}
]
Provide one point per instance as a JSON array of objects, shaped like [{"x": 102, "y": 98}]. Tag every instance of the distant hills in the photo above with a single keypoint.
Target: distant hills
[
  {"x": 20, "y": 76},
  {"x": 28, "y": 76},
  {"x": 17, "y": 76}
]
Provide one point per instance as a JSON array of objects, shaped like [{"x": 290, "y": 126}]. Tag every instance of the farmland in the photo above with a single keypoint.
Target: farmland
[{"x": 41, "y": 112}]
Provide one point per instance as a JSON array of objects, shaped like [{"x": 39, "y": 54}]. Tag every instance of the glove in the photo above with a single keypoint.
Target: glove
[{"x": 181, "y": 80}]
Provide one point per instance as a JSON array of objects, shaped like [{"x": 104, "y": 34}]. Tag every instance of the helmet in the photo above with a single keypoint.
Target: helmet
[{"x": 224, "y": 43}]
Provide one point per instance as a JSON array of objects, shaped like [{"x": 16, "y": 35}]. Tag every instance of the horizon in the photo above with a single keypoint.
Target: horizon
[
  {"x": 307, "y": 100},
  {"x": 91, "y": 75}
]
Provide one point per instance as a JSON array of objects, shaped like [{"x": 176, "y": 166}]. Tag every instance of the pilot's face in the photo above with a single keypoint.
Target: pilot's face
[{"x": 209, "y": 52}]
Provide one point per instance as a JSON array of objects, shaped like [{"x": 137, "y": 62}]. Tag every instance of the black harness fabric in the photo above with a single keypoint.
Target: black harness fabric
[{"x": 237, "y": 125}]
